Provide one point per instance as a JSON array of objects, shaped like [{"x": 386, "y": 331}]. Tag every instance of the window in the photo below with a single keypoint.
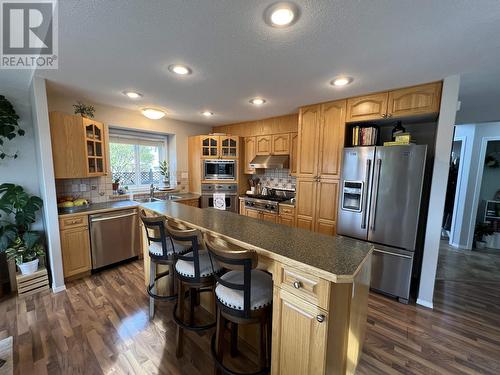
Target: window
[{"x": 135, "y": 159}]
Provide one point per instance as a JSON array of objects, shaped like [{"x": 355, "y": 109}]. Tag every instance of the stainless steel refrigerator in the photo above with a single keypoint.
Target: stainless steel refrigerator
[{"x": 381, "y": 190}]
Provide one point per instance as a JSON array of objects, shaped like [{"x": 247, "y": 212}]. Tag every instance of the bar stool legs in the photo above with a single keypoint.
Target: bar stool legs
[{"x": 180, "y": 330}]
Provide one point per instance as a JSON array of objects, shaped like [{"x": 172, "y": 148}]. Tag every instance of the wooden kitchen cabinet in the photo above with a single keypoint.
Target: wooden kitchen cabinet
[
  {"x": 79, "y": 147},
  {"x": 294, "y": 143},
  {"x": 195, "y": 202},
  {"x": 209, "y": 146},
  {"x": 219, "y": 146},
  {"x": 280, "y": 144},
  {"x": 250, "y": 152},
  {"x": 229, "y": 146},
  {"x": 286, "y": 215},
  {"x": 263, "y": 145},
  {"x": 368, "y": 107},
  {"x": 309, "y": 125},
  {"x": 253, "y": 213},
  {"x": 306, "y": 203},
  {"x": 303, "y": 349},
  {"x": 267, "y": 216},
  {"x": 75, "y": 246},
  {"x": 415, "y": 100},
  {"x": 331, "y": 139}
]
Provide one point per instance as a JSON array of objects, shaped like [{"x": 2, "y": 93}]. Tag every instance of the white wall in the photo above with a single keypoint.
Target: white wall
[
  {"x": 469, "y": 192},
  {"x": 128, "y": 119},
  {"x": 444, "y": 140},
  {"x": 491, "y": 176}
]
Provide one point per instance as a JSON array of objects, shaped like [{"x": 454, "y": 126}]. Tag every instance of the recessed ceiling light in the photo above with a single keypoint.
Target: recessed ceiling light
[
  {"x": 181, "y": 70},
  {"x": 153, "y": 114},
  {"x": 341, "y": 81},
  {"x": 281, "y": 14},
  {"x": 132, "y": 94},
  {"x": 257, "y": 101},
  {"x": 207, "y": 113}
]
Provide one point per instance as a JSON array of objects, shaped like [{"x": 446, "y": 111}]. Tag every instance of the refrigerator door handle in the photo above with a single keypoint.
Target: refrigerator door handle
[
  {"x": 365, "y": 192},
  {"x": 373, "y": 210},
  {"x": 394, "y": 254}
]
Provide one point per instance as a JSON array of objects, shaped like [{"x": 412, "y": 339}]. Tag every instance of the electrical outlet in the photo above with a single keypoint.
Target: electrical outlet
[{"x": 83, "y": 187}]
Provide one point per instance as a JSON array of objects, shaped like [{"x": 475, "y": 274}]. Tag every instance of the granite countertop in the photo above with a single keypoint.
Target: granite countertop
[
  {"x": 101, "y": 207},
  {"x": 334, "y": 258},
  {"x": 288, "y": 203},
  {"x": 185, "y": 196}
]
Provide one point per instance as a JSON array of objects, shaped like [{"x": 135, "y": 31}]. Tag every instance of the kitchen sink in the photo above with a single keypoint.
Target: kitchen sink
[
  {"x": 148, "y": 200},
  {"x": 172, "y": 197}
]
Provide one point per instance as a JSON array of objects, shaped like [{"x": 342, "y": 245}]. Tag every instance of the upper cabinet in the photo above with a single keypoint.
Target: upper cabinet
[
  {"x": 79, "y": 146},
  {"x": 263, "y": 145},
  {"x": 294, "y": 144},
  {"x": 250, "y": 149},
  {"x": 280, "y": 144},
  {"x": 219, "y": 146},
  {"x": 411, "y": 101}
]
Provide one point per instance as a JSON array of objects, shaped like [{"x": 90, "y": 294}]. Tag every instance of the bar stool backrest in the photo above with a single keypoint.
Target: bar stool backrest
[
  {"x": 185, "y": 236},
  {"x": 234, "y": 258},
  {"x": 156, "y": 233}
]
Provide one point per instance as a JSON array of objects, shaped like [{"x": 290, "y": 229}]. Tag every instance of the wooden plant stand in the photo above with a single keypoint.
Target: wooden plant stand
[{"x": 31, "y": 284}]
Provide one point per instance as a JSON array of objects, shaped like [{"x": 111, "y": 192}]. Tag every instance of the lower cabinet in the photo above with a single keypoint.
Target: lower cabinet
[
  {"x": 301, "y": 350},
  {"x": 286, "y": 216},
  {"x": 75, "y": 247},
  {"x": 191, "y": 202}
]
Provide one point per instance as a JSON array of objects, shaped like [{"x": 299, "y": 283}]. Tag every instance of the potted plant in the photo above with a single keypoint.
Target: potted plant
[
  {"x": 482, "y": 229},
  {"x": 164, "y": 171},
  {"x": 84, "y": 110},
  {"x": 9, "y": 126},
  {"x": 17, "y": 212},
  {"x": 26, "y": 252},
  {"x": 116, "y": 184}
]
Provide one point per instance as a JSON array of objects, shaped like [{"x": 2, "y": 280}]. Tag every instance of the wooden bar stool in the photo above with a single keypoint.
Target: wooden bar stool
[
  {"x": 244, "y": 295},
  {"x": 161, "y": 251},
  {"x": 195, "y": 273}
]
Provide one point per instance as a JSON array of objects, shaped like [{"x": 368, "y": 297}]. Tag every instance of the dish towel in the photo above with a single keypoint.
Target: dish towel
[{"x": 220, "y": 201}]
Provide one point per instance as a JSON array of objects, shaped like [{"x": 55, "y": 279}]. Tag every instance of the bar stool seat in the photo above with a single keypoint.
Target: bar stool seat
[
  {"x": 186, "y": 268},
  {"x": 261, "y": 290}
]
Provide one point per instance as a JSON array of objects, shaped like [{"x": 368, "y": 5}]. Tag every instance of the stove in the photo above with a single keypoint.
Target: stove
[{"x": 267, "y": 203}]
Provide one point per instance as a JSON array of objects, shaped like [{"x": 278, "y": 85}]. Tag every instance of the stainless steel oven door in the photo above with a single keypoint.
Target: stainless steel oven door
[
  {"x": 215, "y": 169},
  {"x": 207, "y": 200}
]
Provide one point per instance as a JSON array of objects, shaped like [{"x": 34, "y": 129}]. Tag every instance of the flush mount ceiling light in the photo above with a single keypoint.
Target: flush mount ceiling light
[
  {"x": 257, "y": 101},
  {"x": 179, "y": 69},
  {"x": 341, "y": 81},
  {"x": 207, "y": 113},
  {"x": 132, "y": 94},
  {"x": 281, "y": 14},
  {"x": 153, "y": 114}
]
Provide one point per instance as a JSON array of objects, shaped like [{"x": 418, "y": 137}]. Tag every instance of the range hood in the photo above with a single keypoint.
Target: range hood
[{"x": 270, "y": 162}]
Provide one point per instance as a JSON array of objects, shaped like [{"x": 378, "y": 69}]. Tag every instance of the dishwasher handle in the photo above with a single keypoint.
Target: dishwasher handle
[{"x": 106, "y": 218}]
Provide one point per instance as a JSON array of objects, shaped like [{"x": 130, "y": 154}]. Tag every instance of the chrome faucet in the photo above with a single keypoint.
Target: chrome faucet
[{"x": 152, "y": 191}]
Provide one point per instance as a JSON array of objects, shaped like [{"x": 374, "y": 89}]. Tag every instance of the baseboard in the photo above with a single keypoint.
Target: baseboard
[
  {"x": 58, "y": 289},
  {"x": 424, "y": 303}
]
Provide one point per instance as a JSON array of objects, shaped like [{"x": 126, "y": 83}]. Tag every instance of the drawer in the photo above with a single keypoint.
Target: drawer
[
  {"x": 287, "y": 210},
  {"x": 303, "y": 284},
  {"x": 73, "y": 222}
]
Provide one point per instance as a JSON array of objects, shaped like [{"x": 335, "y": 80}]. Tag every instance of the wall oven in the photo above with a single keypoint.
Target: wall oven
[
  {"x": 217, "y": 169},
  {"x": 230, "y": 191}
]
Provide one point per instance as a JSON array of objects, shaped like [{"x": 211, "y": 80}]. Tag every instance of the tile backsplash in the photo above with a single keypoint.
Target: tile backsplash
[
  {"x": 277, "y": 179},
  {"x": 100, "y": 189}
]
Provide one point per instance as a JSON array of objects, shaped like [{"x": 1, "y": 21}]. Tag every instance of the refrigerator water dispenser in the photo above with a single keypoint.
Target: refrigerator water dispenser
[{"x": 352, "y": 196}]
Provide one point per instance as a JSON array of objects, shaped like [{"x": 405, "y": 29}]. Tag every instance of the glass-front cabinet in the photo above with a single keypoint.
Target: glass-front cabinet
[
  {"x": 94, "y": 138},
  {"x": 219, "y": 146}
]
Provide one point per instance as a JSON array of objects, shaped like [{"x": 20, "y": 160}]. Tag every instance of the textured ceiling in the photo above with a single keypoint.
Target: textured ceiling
[{"x": 107, "y": 46}]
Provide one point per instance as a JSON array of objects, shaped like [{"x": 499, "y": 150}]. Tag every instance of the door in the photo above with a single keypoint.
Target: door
[
  {"x": 306, "y": 201},
  {"x": 331, "y": 139},
  {"x": 263, "y": 145},
  {"x": 75, "y": 247},
  {"x": 301, "y": 350},
  {"x": 355, "y": 188},
  {"x": 249, "y": 154},
  {"x": 280, "y": 144},
  {"x": 416, "y": 100},
  {"x": 326, "y": 206},
  {"x": 397, "y": 188},
  {"x": 209, "y": 146},
  {"x": 309, "y": 123},
  {"x": 369, "y": 107},
  {"x": 294, "y": 143},
  {"x": 228, "y": 146}
]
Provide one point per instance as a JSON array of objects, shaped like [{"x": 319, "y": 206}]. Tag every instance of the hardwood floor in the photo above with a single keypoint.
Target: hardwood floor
[{"x": 100, "y": 325}]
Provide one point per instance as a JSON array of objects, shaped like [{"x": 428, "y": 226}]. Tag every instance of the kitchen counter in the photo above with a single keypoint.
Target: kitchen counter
[
  {"x": 336, "y": 259},
  {"x": 101, "y": 207},
  {"x": 288, "y": 203}
]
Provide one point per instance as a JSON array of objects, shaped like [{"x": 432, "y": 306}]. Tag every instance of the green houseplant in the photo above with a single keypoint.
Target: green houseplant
[
  {"x": 26, "y": 252},
  {"x": 9, "y": 126},
  {"x": 165, "y": 172},
  {"x": 84, "y": 110},
  {"x": 482, "y": 229},
  {"x": 17, "y": 212}
]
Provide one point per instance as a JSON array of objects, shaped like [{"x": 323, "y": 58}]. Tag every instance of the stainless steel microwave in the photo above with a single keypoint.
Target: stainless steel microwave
[{"x": 217, "y": 169}]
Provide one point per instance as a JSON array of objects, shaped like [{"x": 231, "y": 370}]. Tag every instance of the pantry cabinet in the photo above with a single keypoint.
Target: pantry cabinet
[
  {"x": 309, "y": 125},
  {"x": 79, "y": 146}
]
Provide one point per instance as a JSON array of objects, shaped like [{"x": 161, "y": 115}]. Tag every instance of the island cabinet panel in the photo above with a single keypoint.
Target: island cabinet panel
[
  {"x": 301, "y": 349},
  {"x": 249, "y": 154},
  {"x": 331, "y": 139},
  {"x": 294, "y": 144},
  {"x": 75, "y": 248},
  {"x": 368, "y": 107},
  {"x": 416, "y": 100},
  {"x": 309, "y": 124}
]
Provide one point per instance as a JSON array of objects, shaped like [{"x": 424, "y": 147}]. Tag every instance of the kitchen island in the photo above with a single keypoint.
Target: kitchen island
[{"x": 320, "y": 282}]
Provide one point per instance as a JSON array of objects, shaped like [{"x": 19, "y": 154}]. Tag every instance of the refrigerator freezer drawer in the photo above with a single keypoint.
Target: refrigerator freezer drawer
[{"x": 391, "y": 273}]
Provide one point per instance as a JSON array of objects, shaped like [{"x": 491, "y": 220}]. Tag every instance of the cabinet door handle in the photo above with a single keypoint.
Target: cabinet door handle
[
  {"x": 297, "y": 284},
  {"x": 384, "y": 115},
  {"x": 320, "y": 318}
]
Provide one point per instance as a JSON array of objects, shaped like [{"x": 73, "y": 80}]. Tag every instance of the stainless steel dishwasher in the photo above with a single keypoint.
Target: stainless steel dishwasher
[{"x": 114, "y": 236}]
